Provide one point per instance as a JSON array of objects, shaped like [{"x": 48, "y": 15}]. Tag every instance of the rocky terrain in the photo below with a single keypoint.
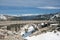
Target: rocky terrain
[{"x": 50, "y": 32}]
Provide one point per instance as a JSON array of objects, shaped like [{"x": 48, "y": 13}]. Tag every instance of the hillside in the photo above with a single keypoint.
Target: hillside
[{"x": 51, "y": 16}]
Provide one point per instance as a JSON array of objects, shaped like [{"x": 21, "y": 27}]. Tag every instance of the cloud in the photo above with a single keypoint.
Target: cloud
[
  {"x": 30, "y": 3},
  {"x": 28, "y": 14},
  {"x": 21, "y": 14},
  {"x": 49, "y": 7}
]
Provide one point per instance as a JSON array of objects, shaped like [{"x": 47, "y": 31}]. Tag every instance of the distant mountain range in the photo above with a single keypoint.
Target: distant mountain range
[{"x": 50, "y": 16}]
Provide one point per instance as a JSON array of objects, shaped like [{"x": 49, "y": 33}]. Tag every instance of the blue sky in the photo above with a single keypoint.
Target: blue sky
[{"x": 29, "y": 6}]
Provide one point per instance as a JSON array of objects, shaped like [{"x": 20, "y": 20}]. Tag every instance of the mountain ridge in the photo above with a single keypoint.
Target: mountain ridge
[{"x": 28, "y": 17}]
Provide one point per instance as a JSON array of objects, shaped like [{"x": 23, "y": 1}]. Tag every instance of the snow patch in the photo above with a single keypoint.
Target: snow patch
[
  {"x": 45, "y": 36},
  {"x": 3, "y": 17}
]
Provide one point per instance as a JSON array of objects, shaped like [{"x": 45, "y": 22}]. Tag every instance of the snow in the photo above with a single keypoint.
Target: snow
[
  {"x": 57, "y": 15},
  {"x": 29, "y": 32},
  {"x": 3, "y": 17},
  {"x": 42, "y": 23},
  {"x": 54, "y": 24},
  {"x": 30, "y": 29},
  {"x": 45, "y": 36},
  {"x": 22, "y": 32}
]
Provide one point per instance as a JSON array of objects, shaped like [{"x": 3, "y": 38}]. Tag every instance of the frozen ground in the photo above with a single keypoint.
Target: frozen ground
[{"x": 45, "y": 36}]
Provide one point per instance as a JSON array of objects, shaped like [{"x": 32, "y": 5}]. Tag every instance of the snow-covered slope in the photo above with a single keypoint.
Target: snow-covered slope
[
  {"x": 55, "y": 17},
  {"x": 45, "y": 36}
]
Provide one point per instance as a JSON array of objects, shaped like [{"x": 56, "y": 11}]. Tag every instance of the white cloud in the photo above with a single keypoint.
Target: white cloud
[
  {"x": 28, "y": 14},
  {"x": 49, "y": 7},
  {"x": 23, "y": 15}
]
